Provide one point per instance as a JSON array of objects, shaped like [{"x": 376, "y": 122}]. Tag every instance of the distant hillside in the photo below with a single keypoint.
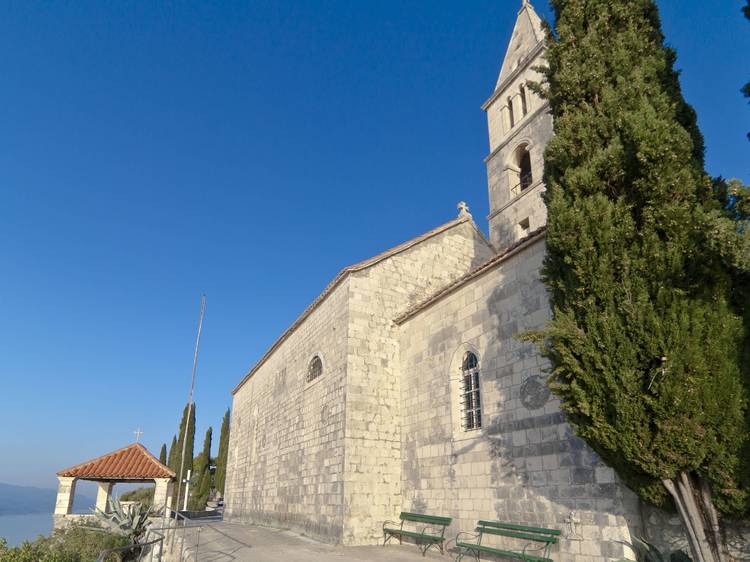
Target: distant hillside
[{"x": 21, "y": 500}]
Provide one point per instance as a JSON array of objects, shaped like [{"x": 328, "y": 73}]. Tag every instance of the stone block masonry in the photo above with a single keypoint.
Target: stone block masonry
[
  {"x": 323, "y": 457},
  {"x": 286, "y": 451},
  {"x": 524, "y": 465}
]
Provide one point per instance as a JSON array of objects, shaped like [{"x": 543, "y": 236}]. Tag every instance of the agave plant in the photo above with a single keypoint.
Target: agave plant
[
  {"x": 131, "y": 521},
  {"x": 647, "y": 552}
]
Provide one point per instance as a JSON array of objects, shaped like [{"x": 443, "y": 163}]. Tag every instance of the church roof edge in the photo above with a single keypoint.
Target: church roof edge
[
  {"x": 482, "y": 268},
  {"x": 359, "y": 266}
]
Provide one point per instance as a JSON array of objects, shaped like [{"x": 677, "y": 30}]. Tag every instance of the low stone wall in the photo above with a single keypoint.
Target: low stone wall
[
  {"x": 63, "y": 521},
  {"x": 665, "y": 531}
]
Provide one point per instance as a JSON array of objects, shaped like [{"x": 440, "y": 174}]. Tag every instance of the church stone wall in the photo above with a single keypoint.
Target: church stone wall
[
  {"x": 372, "y": 485},
  {"x": 525, "y": 464},
  {"x": 286, "y": 450}
]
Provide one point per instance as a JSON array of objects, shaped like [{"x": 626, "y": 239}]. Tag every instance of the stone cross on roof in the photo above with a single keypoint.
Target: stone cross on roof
[
  {"x": 138, "y": 434},
  {"x": 463, "y": 209}
]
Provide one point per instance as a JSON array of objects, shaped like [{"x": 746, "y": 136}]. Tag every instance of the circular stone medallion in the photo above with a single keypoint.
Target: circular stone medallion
[{"x": 534, "y": 392}]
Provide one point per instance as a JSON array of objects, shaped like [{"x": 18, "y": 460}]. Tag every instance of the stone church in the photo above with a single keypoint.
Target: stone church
[{"x": 403, "y": 386}]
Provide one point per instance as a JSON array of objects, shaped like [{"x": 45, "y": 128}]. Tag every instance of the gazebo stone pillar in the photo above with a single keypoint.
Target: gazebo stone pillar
[
  {"x": 66, "y": 490},
  {"x": 103, "y": 493},
  {"x": 162, "y": 492}
]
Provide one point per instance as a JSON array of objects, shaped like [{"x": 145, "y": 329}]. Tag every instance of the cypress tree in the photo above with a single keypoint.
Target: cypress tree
[
  {"x": 205, "y": 488},
  {"x": 202, "y": 491},
  {"x": 221, "y": 458},
  {"x": 172, "y": 455},
  {"x": 645, "y": 339},
  {"x": 163, "y": 453},
  {"x": 205, "y": 455},
  {"x": 201, "y": 465},
  {"x": 187, "y": 433}
]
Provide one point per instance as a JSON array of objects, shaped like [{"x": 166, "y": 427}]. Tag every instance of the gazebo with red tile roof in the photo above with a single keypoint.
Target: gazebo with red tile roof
[{"x": 131, "y": 464}]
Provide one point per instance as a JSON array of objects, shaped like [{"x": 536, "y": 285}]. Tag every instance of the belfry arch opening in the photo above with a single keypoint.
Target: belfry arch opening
[
  {"x": 524, "y": 166},
  {"x": 519, "y": 170}
]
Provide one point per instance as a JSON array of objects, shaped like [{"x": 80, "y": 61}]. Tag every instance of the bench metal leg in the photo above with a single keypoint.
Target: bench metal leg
[
  {"x": 430, "y": 545},
  {"x": 463, "y": 551}
]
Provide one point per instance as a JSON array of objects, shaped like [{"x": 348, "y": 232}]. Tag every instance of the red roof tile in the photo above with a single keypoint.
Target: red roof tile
[{"x": 133, "y": 462}]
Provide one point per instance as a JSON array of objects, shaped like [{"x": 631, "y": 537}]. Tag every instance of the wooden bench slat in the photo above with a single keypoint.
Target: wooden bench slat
[
  {"x": 516, "y": 534},
  {"x": 414, "y": 534},
  {"x": 421, "y": 518},
  {"x": 516, "y": 527},
  {"x": 506, "y": 553}
]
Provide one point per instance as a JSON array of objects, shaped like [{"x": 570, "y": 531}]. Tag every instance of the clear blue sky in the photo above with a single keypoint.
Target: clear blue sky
[{"x": 150, "y": 152}]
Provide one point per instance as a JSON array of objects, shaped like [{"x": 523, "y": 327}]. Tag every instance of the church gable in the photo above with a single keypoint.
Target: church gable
[
  {"x": 476, "y": 249},
  {"x": 407, "y": 277},
  {"x": 372, "y": 479}
]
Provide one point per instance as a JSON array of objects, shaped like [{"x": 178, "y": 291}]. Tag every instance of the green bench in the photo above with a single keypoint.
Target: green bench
[
  {"x": 537, "y": 540},
  {"x": 423, "y": 539}
]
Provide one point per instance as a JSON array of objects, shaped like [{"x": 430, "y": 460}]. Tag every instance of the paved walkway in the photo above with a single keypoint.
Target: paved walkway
[{"x": 229, "y": 542}]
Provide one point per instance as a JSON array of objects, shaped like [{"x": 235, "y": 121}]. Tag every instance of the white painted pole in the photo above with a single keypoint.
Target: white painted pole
[{"x": 187, "y": 489}]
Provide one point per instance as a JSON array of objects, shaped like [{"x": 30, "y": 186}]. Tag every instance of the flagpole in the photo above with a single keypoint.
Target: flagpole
[{"x": 190, "y": 399}]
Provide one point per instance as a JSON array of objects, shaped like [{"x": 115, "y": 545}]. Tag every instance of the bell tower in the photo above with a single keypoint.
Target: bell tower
[{"x": 519, "y": 126}]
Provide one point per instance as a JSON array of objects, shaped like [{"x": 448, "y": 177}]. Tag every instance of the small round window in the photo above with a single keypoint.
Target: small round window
[{"x": 315, "y": 369}]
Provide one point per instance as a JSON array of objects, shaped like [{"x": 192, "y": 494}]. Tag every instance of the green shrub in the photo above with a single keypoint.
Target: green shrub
[
  {"x": 143, "y": 495},
  {"x": 74, "y": 544}
]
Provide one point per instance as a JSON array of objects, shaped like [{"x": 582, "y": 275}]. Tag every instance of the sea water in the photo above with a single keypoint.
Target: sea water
[{"x": 18, "y": 528}]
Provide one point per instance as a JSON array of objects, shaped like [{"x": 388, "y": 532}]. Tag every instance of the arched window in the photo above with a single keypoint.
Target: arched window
[
  {"x": 472, "y": 404},
  {"x": 524, "y": 107},
  {"x": 524, "y": 165},
  {"x": 315, "y": 369},
  {"x": 510, "y": 113}
]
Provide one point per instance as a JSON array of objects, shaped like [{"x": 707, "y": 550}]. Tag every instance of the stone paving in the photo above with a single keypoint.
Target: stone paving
[{"x": 230, "y": 542}]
